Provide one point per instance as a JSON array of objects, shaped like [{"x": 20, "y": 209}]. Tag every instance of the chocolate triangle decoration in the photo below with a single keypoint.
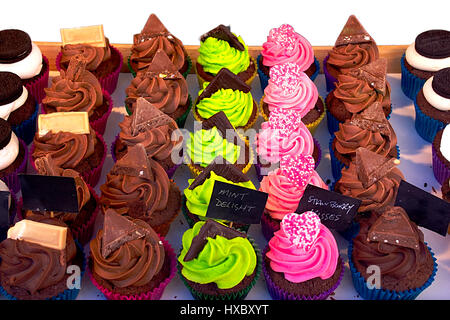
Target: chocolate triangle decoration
[
  {"x": 374, "y": 74},
  {"x": 134, "y": 163},
  {"x": 161, "y": 66},
  {"x": 224, "y": 79},
  {"x": 146, "y": 116},
  {"x": 222, "y": 32},
  {"x": 371, "y": 166},
  {"x": 222, "y": 123},
  {"x": 118, "y": 230},
  {"x": 373, "y": 119},
  {"x": 394, "y": 227},
  {"x": 153, "y": 26},
  {"x": 210, "y": 229},
  {"x": 77, "y": 66},
  {"x": 353, "y": 33}
]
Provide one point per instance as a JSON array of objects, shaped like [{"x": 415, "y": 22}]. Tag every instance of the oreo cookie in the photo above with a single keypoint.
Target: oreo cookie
[
  {"x": 441, "y": 83},
  {"x": 434, "y": 44},
  {"x": 5, "y": 133},
  {"x": 11, "y": 87},
  {"x": 15, "y": 45}
]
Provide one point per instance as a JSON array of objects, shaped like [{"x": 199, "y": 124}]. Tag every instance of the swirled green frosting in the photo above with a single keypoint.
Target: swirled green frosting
[
  {"x": 237, "y": 105},
  {"x": 215, "y": 54},
  {"x": 222, "y": 261},
  {"x": 197, "y": 200},
  {"x": 205, "y": 145}
]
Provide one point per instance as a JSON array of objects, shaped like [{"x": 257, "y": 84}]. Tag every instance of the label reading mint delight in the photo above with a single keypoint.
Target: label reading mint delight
[
  {"x": 237, "y": 204},
  {"x": 335, "y": 210}
]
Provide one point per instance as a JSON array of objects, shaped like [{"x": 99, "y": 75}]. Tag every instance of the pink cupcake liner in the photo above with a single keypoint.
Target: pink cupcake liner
[
  {"x": 91, "y": 177},
  {"x": 440, "y": 170},
  {"x": 12, "y": 179},
  {"x": 108, "y": 82},
  {"x": 36, "y": 87},
  {"x": 155, "y": 294}
]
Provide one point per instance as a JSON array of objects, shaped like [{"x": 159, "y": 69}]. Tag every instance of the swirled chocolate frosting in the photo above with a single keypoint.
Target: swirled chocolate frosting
[{"x": 94, "y": 55}]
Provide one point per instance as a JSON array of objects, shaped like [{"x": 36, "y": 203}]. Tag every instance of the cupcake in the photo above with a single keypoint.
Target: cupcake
[
  {"x": 429, "y": 53},
  {"x": 13, "y": 156},
  {"x": 228, "y": 93},
  {"x": 217, "y": 262},
  {"x": 81, "y": 224},
  {"x": 220, "y": 48},
  {"x": 285, "y": 45},
  {"x": 198, "y": 194},
  {"x": 19, "y": 55},
  {"x": 368, "y": 129},
  {"x": 129, "y": 260},
  {"x": 356, "y": 91},
  {"x": 17, "y": 106},
  {"x": 285, "y": 187},
  {"x": 291, "y": 89},
  {"x": 137, "y": 186},
  {"x": 103, "y": 60},
  {"x": 77, "y": 89},
  {"x": 353, "y": 48},
  {"x": 36, "y": 268},
  {"x": 393, "y": 243},
  {"x": 11, "y": 207},
  {"x": 84, "y": 152},
  {"x": 162, "y": 85},
  {"x": 153, "y": 37},
  {"x": 152, "y": 128},
  {"x": 432, "y": 105},
  {"x": 441, "y": 155},
  {"x": 301, "y": 261},
  {"x": 217, "y": 137},
  {"x": 283, "y": 135}
]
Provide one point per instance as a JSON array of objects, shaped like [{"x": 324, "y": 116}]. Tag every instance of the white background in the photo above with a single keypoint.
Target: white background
[{"x": 389, "y": 22}]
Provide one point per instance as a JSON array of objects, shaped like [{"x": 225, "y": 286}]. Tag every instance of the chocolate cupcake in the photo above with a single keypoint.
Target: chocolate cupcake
[
  {"x": 153, "y": 37},
  {"x": 138, "y": 186},
  {"x": 19, "y": 55},
  {"x": 429, "y": 53},
  {"x": 440, "y": 150}
]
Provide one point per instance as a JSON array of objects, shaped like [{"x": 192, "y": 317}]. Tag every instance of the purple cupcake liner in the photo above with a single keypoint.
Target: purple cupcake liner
[
  {"x": 329, "y": 79},
  {"x": 440, "y": 170},
  {"x": 12, "y": 179},
  {"x": 36, "y": 87},
  {"x": 268, "y": 227},
  {"x": 27, "y": 129},
  {"x": 426, "y": 126},
  {"x": 278, "y": 293},
  {"x": 410, "y": 84}
]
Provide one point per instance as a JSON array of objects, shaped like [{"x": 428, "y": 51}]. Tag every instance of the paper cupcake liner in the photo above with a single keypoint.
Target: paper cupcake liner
[
  {"x": 181, "y": 121},
  {"x": 269, "y": 227},
  {"x": 36, "y": 87},
  {"x": 91, "y": 177},
  {"x": 426, "y": 126},
  {"x": 185, "y": 74},
  {"x": 154, "y": 294},
  {"x": 329, "y": 79},
  {"x": 440, "y": 170},
  {"x": 316, "y": 73},
  {"x": 68, "y": 294},
  {"x": 277, "y": 293},
  {"x": 239, "y": 295},
  {"x": 360, "y": 283},
  {"x": 108, "y": 82},
  {"x": 410, "y": 84},
  {"x": 12, "y": 179},
  {"x": 27, "y": 129}
]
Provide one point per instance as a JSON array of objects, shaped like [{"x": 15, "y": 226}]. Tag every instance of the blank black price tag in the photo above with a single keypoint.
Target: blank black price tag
[{"x": 234, "y": 203}]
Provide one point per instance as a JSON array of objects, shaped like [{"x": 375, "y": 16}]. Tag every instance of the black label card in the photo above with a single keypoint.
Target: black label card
[
  {"x": 335, "y": 210},
  {"x": 423, "y": 208},
  {"x": 48, "y": 193},
  {"x": 237, "y": 204},
  {"x": 5, "y": 197}
]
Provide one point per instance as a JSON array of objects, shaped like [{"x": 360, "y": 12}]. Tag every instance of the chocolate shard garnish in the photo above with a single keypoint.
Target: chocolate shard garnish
[
  {"x": 46, "y": 166},
  {"x": 353, "y": 33},
  {"x": 394, "y": 227},
  {"x": 146, "y": 116},
  {"x": 372, "y": 167},
  {"x": 222, "y": 32},
  {"x": 118, "y": 230},
  {"x": 373, "y": 119},
  {"x": 153, "y": 26},
  {"x": 77, "y": 66},
  {"x": 222, "y": 168},
  {"x": 374, "y": 74},
  {"x": 441, "y": 83},
  {"x": 162, "y": 67},
  {"x": 220, "y": 121},
  {"x": 225, "y": 79},
  {"x": 210, "y": 229},
  {"x": 134, "y": 163},
  {"x": 433, "y": 44}
]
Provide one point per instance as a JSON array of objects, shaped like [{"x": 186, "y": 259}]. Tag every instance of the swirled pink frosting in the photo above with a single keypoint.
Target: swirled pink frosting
[
  {"x": 298, "y": 264},
  {"x": 290, "y": 88},
  {"x": 284, "y": 195},
  {"x": 285, "y": 45}
]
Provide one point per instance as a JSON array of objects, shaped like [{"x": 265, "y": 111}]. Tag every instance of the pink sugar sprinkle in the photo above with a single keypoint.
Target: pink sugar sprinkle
[
  {"x": 284, "y": 120},
  {"x": 301, "y": 229},
  {"x": 284, "y": 36},
  {"x": 286, "y": 76},
  {"x": 298, "y": 169}
]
